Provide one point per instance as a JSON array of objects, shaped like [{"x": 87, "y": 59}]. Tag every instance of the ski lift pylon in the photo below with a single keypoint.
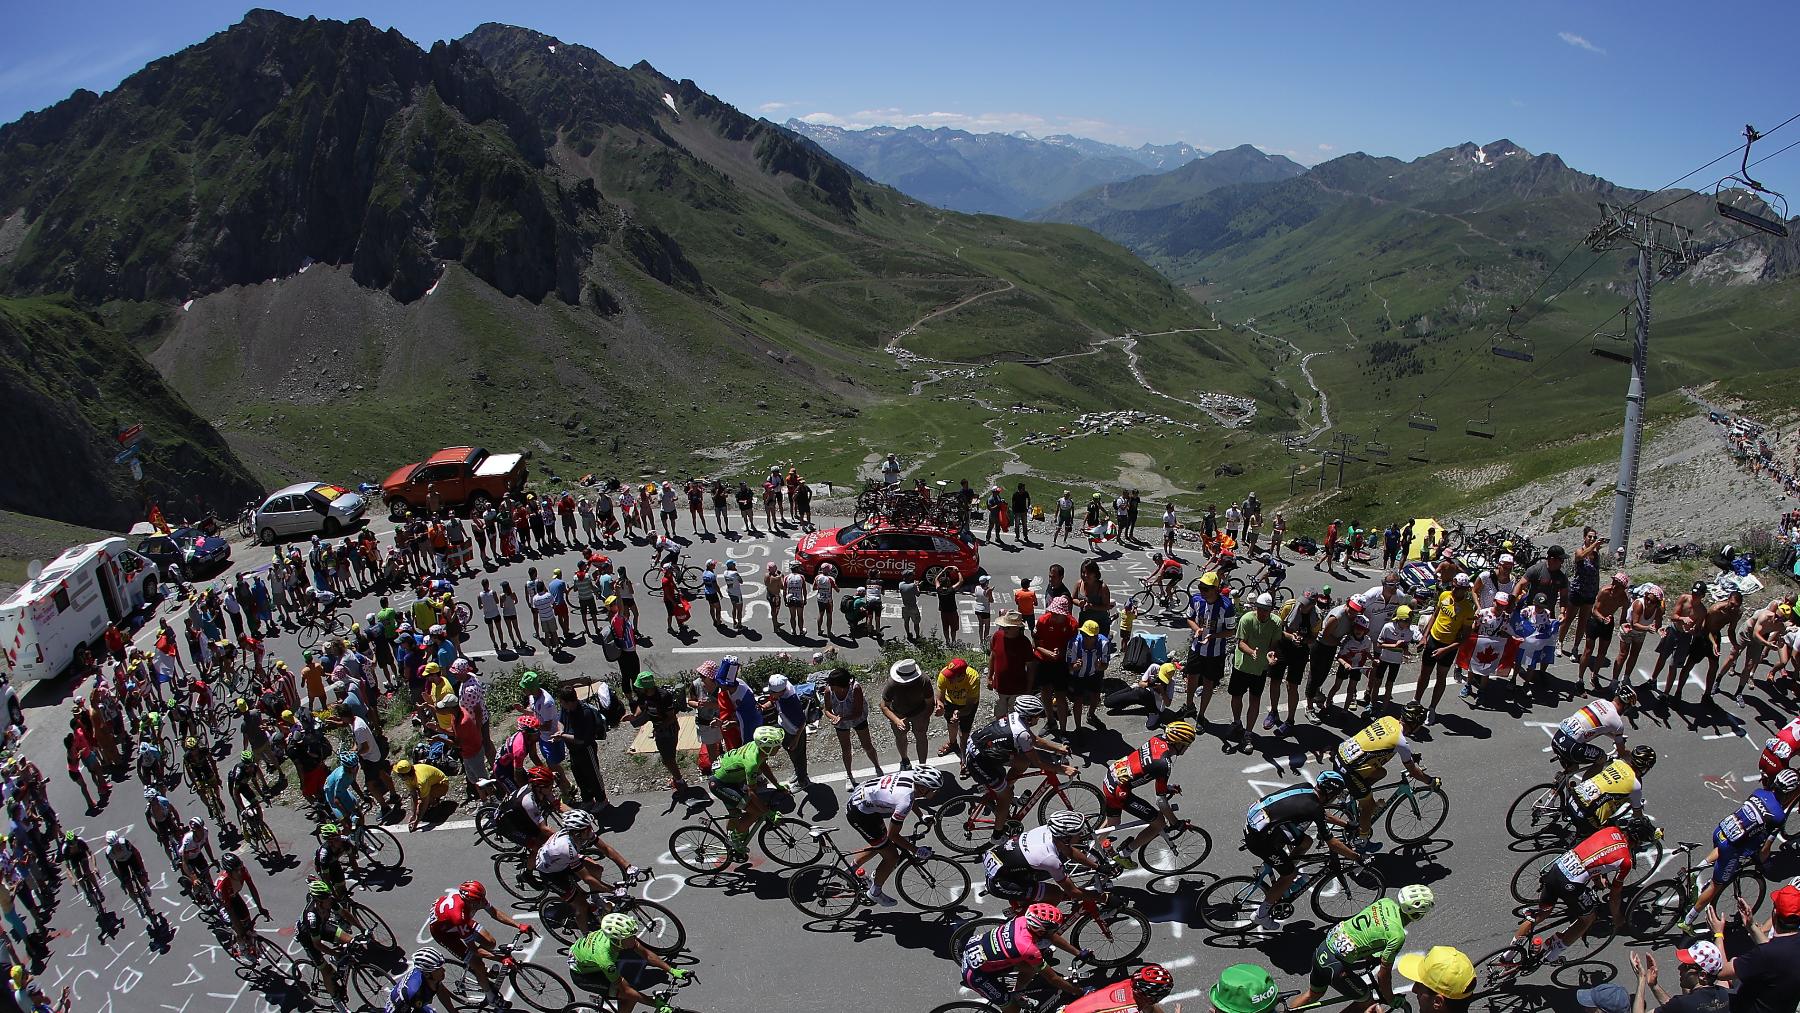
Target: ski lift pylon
[
  {"x": 1775, "y": 202},
  {"x": 1484, "y": 426}
]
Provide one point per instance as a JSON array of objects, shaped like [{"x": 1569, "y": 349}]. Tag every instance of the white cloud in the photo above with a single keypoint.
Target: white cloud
[
  {"x": 774, "y": 107},
  {"x": 1580, "y": 43},
  {"x": 1327, "y": 147}
]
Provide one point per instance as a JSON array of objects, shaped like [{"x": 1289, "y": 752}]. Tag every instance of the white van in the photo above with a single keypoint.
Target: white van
[{"x": 68, "y": 602}]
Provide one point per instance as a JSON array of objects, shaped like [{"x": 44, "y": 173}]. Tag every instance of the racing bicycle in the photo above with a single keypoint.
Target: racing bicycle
[
  {"x": 661, "y": 930},
  {"x": 1338, "y": 891},
  {"x": 1112, "y": 931},
  {"x": 1654, "y": 910},
  {"x": 834, "y": 891},
  {"x": 1413, "y": 812},
  {"x": 966, "y": 824},
  {"x": 533, "y": 984},
  {"x": 706, "y": 846},
  {"x": 1179, "y": 847}
]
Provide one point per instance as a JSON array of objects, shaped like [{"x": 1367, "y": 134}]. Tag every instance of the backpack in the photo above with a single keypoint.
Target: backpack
[
  {"x": 609, "y": 642},
  {"x": 1137, "y": 654},
  {"x": 309, "y": 746}
]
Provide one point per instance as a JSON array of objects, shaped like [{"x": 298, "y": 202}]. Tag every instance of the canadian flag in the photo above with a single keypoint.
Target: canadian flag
[{"x": 1487, "y": 655}]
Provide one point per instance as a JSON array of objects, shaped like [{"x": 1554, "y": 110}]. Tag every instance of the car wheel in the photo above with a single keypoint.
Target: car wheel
[
  {"x": 266, "y": 536},
  {"x": 150, "y": 589},
  {"x": 479, "y": 503},
  {"x": 396, "y": 508},
  {"x": 332, "y": 527}
]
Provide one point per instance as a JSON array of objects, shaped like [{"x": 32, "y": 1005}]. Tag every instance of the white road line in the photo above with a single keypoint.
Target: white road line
[
  {"x": 859, "y": 774},
  {"x": 732, "y": 649},
  {"x": 1192, "y": 993},
  {"x": 1179, "y": 962},
  {"x": 452, "y": 825}
]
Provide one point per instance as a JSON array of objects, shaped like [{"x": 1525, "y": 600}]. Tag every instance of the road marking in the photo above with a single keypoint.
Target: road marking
[
  {"x": 731, "y": 649},
  {"x": 1191, "y": 993},
  {"x": 452, "y": 825},
  {"x": 1179, "y": 962},
  {"x": 938, "y": 761}
]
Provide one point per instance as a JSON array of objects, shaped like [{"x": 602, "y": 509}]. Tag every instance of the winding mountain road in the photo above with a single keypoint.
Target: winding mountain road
[{"x": 1306, "y": 358}]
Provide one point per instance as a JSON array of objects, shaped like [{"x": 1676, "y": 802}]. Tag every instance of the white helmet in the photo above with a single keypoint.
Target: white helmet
[
  {"x": 1067, "y": 824},
  {"x": 1029, "y": 706}
]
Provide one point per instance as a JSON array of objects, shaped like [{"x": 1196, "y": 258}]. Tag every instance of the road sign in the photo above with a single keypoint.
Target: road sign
[
  {"x": 131, "y": 434},
  {"x": 128, "y": 454}
]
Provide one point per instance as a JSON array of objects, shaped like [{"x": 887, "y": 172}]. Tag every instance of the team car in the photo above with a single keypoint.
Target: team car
[{"x": 884, "y": 552}]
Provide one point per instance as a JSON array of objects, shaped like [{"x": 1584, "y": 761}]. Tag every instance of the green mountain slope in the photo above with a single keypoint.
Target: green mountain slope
[{"x": 1243, "y": 164}]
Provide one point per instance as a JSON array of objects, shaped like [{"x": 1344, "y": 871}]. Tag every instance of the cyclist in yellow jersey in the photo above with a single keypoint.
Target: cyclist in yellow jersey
[
  {"x": 1362, "y": 759},
  {"x": 1456, "y": 610},
  {"x": 1595, "y": 801}
]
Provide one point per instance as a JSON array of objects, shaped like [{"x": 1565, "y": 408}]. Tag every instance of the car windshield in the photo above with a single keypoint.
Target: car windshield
[
  {"x": 849, "y": 534},
  {"x": 330, "y": 492}
]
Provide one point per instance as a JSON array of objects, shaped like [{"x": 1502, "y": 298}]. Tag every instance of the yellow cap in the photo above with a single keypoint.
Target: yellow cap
[
  {"x": 1403, "y": 612},
  {"x": 1445, "y": 970},
  {"x": 1091, "y": 628},
  {"x": 1210, "y": 578},
  {"x": 1167, "y": 671},
  {"x": 432, "y": 668}
]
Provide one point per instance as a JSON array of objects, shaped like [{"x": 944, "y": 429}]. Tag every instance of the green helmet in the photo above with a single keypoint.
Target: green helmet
[
  {"x": 328, "y": 830},
  {"x": 645, "y": 680},
  {"x": 620, "y": 926},
  {"x": 530, "y": 681},
  {"x": 319, "y": 888},
  {"x": 1244, "y": 988},
  {"x": 248, "y": 754},
  {"x": 769, "y": 736}
]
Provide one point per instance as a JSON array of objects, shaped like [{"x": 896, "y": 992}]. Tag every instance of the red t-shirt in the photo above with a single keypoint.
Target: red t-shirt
[
  {"x": 1053, "y": 635},
  {"x": 1007, "y": 664},
  {"x": 468, "y": 735}
]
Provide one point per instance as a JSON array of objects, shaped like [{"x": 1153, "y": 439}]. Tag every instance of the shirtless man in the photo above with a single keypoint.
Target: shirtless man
[
  {"x": 1718, "y": 627},
  {"x": 1763, "y": 636},
  {"x": 1603, "y": 619},
  {"x": 1678, "y": 639},
  {"x": 1644, "y": 614}
]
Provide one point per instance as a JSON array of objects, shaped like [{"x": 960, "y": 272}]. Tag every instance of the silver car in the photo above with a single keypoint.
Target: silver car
[{"x": 307, "y": 508}]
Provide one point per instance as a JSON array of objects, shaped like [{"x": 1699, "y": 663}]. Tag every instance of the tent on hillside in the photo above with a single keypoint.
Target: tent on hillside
[{"x": 1420, "y": 525}]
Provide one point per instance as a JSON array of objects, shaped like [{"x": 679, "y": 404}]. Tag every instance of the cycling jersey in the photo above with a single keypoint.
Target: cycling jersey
[
  {"x": 1590, "y": 722},
  {"x": 315, "y": 925},
  {"x": 1602, "y": 858},
  {"x": 75, "y": 851},
  {"x": 1119, "y": 997},
  {"x": 1371, "y": 747},
  {"x": 1031, "y": 857},
  {"x": 227, "y": 885},
  {"x": 559, "y": 854},
  {"x": 122, "y": 855},
  {"x": 1374, "y": 933},
  {"x": 1602, "y": 795},
  {"x": 999, "y": 740},
  {"x": 596, "y": 953},
  {"x": 1169, "y": 570},
  {"x": 1004, "y": 946},
  {"x": 739, "y": 765},
  {"x": 338, "y": 790},
  {"x": 193, "y": 842},
  {"x": 520, "y": 814},
  {"x": 1761, "y": 815},
  {"x": 160, "y": 813},
  {"x": 1292, "y": 811},
  {"x": 1780, "y": 749},
  {"x": 455, "y": 914},
  {"x": 891, "y": 795},
  {"x": 1150, "y": 762},
  {"x": 409, "y": 994},
  {"x": 329, "y": 863}
]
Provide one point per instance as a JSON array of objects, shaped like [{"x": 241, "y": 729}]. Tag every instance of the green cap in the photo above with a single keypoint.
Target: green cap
[
  {"x": 1244, "y": 988},
  {"x": 529, "y": 681},
  {"x": 645, "y": 680}
]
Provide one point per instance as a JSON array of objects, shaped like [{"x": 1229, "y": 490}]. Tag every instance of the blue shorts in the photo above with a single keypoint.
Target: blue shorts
[
  {"x": 554, "y": 751},
  {"x": 1731, "y": 859}
]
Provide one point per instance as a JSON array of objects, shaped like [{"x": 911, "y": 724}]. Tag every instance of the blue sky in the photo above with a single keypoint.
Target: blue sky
[{"x": 1638, "y": 93}]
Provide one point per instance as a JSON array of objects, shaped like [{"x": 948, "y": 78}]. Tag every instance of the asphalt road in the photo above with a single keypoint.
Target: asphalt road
[{"x": 749, "y": 943}]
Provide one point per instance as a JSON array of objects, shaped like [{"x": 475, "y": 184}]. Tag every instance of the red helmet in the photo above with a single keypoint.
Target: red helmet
[
  {"x": 529, "y": 722},
  {"x": 1043, "y": 917},
  {"x": 199, "y": 685},
  {"x": 474, "y": 891},
  {"x": 1353, "y": 605},
  {"x": 540, "y": 775},
  {"x": 1152, "y": 982}
]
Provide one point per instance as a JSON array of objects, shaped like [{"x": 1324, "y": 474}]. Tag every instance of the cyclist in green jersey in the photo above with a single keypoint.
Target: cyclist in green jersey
[
  {"x": 612, "y": 962},
  {"x": 1373, "y": 935},
  {"x": 735, "y": 778}
]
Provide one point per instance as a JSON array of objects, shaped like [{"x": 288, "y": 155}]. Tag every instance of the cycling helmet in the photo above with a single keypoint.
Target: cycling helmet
[
  {"x": 69, "y": 835},
  {"x": 1640, "y": 830},
  {"x": 190, "y": 742},
  {"x": 1040, "y": 918},
  {"x": 768, "y": 736},
  {"x": 578, "y": 822},
  {"x": 620, "y": 926},
  {"x": 247, "y": 755},
  {"x": 1156, "y": 557},
  {"x": 151, "y": 794},
  {"x": 428, "y": 960},
  {"x": 243, "y": 705},
  {"x": 1642, "y": 759},
  {"x": 1626, "y": 695},
  {"x": 1414, "y": 714},
  {"x": 1152, "y": 982},
  {"x": 1415, "y": 901},
  {"x": 540, "y": 775},
  {"x": 1331, "y": 782},
  {"x": 112, "y": 837},
  {"x": 195, "y": 823},
  {"x": 231, "y": 861},
  {"x": 346, "y": 758},
  {"x": 1066, "y": 825},
  {"x": 930, "y": 779},
  {"x": 403, "y": 767},
  {"x": 529, "y": 682},
  {"x": 1029, "y": 706},
  {"x": 318, "y": 888},
  {"x": 473, "y": 890},
  {"x": 329, "y": 830},
  {"x": 1788, "y": 780},
  {"x": 1179, "y": 733},
  {"x": 529, "y": 722}
]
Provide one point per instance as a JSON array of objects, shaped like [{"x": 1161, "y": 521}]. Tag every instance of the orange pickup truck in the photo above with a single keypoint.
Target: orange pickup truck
[{"x": 458, "y": 475}]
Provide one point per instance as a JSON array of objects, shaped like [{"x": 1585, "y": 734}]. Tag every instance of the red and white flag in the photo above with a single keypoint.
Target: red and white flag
[{"x": 1487, "y": 656}]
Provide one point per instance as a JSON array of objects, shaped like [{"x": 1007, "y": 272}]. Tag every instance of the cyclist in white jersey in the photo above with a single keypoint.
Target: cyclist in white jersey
[
  {"x": 1574, "y": 740},
  {"x": 877, "y": 809}
]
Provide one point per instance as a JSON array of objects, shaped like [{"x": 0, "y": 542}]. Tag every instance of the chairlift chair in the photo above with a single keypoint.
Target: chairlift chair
[
  {"x": 1484, "y": 426},
  {"x": 1375, "y": 449},
  {"x": 1421, "y": 421},
  {"x": 1775, "y": 202},
  {"x": 1418, "y": 456},
  {"x": 1611, "y": 346}
]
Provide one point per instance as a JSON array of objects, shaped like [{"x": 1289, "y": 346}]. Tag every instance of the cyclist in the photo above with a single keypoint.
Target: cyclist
[
  {"x": 1143, "y": 992},
  {"x": 233, "y": 879},
  {"x": 1272, "y": 573},
  {"x": 1748, "y": 831},
  {"x": 1602, "y": 860},
  {"x": 1362, "y": 760},
  {"x": 164, "y": 819},
  {"x": 414, "y": 988},
  {"x": 127, "y": 863},
  {"x": 737, "y": 775},
  {"x": 196, "y": 854},
  {"x": 877, "y": 810},
  {"x": 1033, "y": 865},
  {"x": 524, "y": 817},
  {"x": 1780, "y": 749},
  {"x": 342, "y": 795},
  {"x": 996, "y": 754},
  {"x": 75, "y": 853},
  {"x": 1372, "y": 935},
  {"x": 244, "y": 783},
  {"x": 1015, "y": 945},
  {"x": 561, "y": 862},
  {"x": 453, "y": 926},
  {"x": 425, "y": 783},
  {"x": 1593, "y": 802},
  {"x": 1165, "y": 576},
  {"x": 325, "y": 936},
  {"x": 202, "y": 771},
  {"x": 1275, "y": 830},
  {"x": 1573, "y": 742},
  {"x": 611, "y": 961},
  {"x": 334, "y": 858},
  {"x": 1150, "y": 762}
]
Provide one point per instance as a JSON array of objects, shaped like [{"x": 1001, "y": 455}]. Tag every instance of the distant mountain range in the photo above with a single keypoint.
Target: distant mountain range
[{"x": 1014, "y": 174}]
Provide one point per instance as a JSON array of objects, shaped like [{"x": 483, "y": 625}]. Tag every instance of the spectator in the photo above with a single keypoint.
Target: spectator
[
  {"x": 1010, "y": 664},
  {"x": 958, "y": 693},
  {"x": 1768, "y": 976},
  {"x": 790, "y": 716},
  {"x": 906, "y": 701},
  {"x": 1444, "y": 976},
  {"x": 581, "y": 728},
  {"x": 661, "y": 709},
  {"x": 1700, "y": 988},
  {"x": 847, "y": 710}
]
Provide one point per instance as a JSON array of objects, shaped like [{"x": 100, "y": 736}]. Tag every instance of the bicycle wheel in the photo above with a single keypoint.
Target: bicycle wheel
[
  {"x": 1526, "y": 878},
  {"x": 1750, "y": 885},
  {"x": 490, "y": 835},
  {"x": 963, "y": 1006},
  {"x": 1079, "y": 796},
  {"x": 364, "y": 919},
  {"x": 1229, "y": 906},
  {"x": 272, "y": 958},
  {"x": 1340, "y": 893},
  {"x": 370, "y": 984},
  {"x": 659, "y": 928},
  {"x": 1415, "y": 819},
  {"x": 1494, "y": 974},
  {"x": 968, "y": 931},
  {"x": 308, "y": 636},
  {"x": 1534, "y": 812},
  {"x": 1141, "y": 602},
  {"x": 540, "y": 988},
  {"x": 934, "y": 884},
  {"x": 687, "y": 580},
  {"x": 380, "y": 846},
  {"x": 825, "y": 892},
  {"x": 1117, "y": 936},
  {"x": 557, "y": 915},
  {"x": 789, "y": 842},
  {"x": 339, "y": 626},
  {"x": 514, "y": 873},
  {"x": 1179, "y": 848},
  {"x": 1282, "y": 595},
  {"x": 1645, "y": 861},
  {"x": 964, "y": 825},
  {"x": 699, "y": 848},
  {"x": 1651, "y": 912}
]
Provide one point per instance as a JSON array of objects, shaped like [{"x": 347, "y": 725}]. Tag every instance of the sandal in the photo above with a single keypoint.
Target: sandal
[{"x": 944, "y": 750}]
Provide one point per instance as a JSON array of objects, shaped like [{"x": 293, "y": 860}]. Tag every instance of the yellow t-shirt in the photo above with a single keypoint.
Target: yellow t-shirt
[
  {"x": 430, "y": 779},
  {"x": 1453, "y": 618},
  {"x": 961, "y": 690}
]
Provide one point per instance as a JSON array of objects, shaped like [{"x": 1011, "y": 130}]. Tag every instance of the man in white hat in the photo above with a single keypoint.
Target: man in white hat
[{"x": 907, "y": 702}]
